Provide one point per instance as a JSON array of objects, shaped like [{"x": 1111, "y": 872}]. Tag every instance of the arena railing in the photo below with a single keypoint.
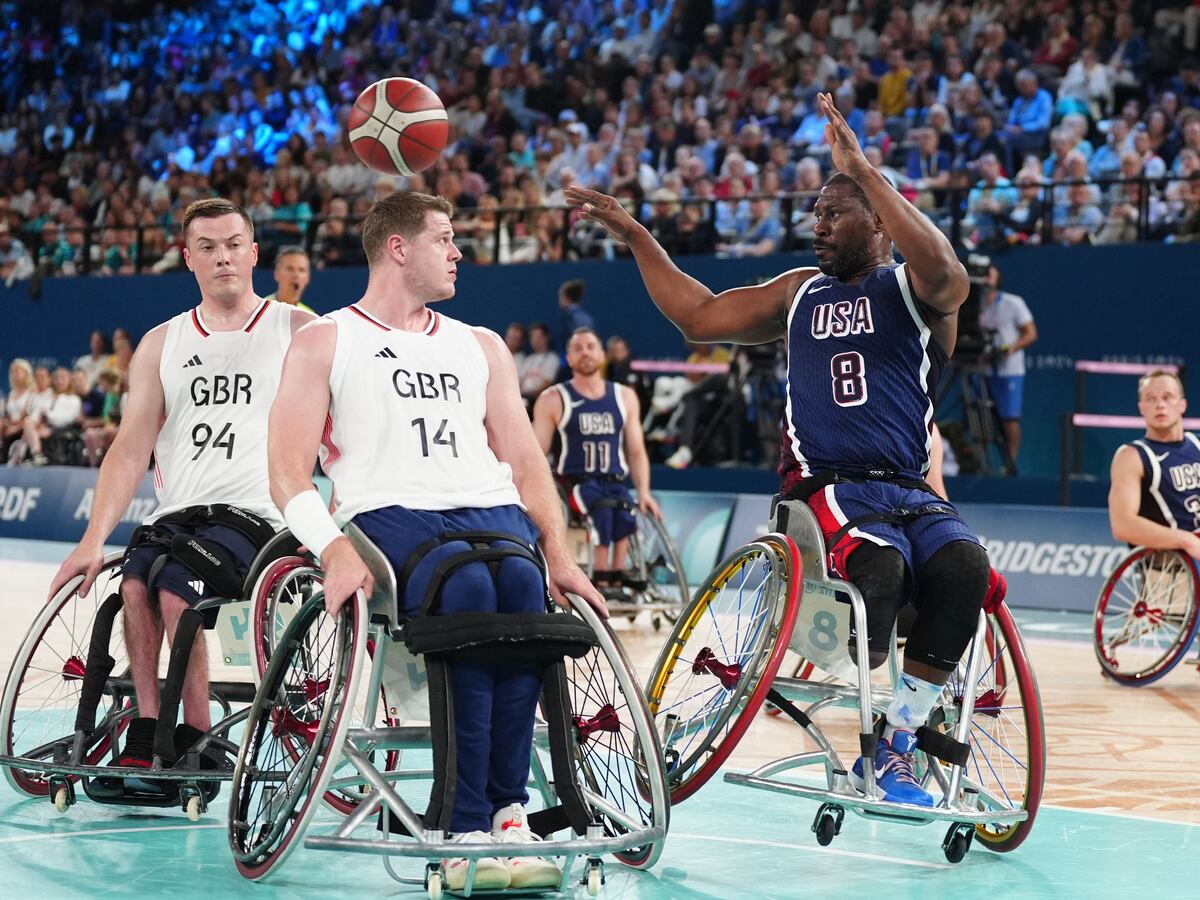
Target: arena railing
[{"x": 1165, "y": 208}]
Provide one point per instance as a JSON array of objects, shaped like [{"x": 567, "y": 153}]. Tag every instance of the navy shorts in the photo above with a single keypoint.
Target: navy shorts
[
  {"x": 1007, "y": 391},
  {"x": 398, "y": 531},
  {"x": 178, "y": 578},
  {"x": 611, "y": 523},
  {"x": 917, "y": 539}
]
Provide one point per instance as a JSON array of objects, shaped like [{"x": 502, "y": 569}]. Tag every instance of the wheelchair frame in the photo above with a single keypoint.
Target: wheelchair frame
[
  {"x": 374, "y": 625},
  {"x": 76, "y": 757},
  {"x": 963, "y": 806}
]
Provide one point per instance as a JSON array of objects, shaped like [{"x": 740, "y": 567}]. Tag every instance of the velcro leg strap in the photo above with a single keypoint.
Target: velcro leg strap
[
  {"x": 210, "y": 562},
  {"x": 941, "y": 745},
  {"x": 487, "y": 637},
  {"x": 190, "y": 622},
  {"x": 545, "y": 822},
  {"x": 564, "y": 737},
  {"x": 443, "y": 745},
  {"x": 997, "y": 590},
  {"x": 99, "y": 665}
]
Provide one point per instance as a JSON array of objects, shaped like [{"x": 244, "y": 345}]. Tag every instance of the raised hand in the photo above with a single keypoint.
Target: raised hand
[
  {"x": 602, "y": 209},
  {"x": 847, "y": 155}
]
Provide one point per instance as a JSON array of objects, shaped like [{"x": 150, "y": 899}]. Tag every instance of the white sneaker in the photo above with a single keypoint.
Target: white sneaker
[
  {"x": 491, "y": 874},
  {"x": 681, "y": 458},
  {"x": 510, "y": 826}
]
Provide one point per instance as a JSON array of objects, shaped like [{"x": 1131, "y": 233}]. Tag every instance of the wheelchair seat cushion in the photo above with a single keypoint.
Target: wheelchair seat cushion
[{"x": 500, "y": 637}]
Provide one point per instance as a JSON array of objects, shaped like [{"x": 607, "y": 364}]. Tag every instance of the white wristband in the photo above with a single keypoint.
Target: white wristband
[{"x": 310, "y": 522}]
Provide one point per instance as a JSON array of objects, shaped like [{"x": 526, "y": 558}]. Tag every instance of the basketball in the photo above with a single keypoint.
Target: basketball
[{"x": 398, "y": 126}]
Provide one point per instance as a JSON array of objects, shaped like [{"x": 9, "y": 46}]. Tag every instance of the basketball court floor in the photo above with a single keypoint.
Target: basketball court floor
[{"x": 1120, "y": 814}]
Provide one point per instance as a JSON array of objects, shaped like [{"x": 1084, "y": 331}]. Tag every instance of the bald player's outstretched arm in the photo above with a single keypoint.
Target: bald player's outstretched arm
[
  {"x": 938, "y": 278},
  {"x": 745, "y": 315}
]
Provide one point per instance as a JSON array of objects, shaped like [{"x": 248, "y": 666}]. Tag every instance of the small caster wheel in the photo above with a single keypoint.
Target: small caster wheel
[
  {"x": 433, "y": 885},
  {"x": 62, "y": 800},
  {"x": 594, "y": 878},
  {"x": 827, "y": 824},
  {"x": 957, "y": 842},
  {"x": 656, "y": 623},
  {"x": 193, "y": 809}
]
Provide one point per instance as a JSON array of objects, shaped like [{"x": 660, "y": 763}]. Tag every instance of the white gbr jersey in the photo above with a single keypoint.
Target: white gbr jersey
[
  {"x": 218, "y": 387},
  {"x": 405, "y": 425}
]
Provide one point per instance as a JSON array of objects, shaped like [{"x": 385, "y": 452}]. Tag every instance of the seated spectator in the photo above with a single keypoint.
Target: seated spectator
[
  {"x": 539, "y": 369},
  {"x": 1187, "y": 222},
  {"x": 1152, "y": 164},
  {"x": 759, "y": 235},
  {"x": 293, "y": 214},
  {"x": 63, "y": 411},
  {"x": 1058, "y": 51},
  {"x": 1129, "y": 54},
  {"x": 1179, "y": 192},
  {"x": 1023, "y": 224},
  {"x": 15, "y": 264},
  {"x": 91, "y": 397},
  {"x": 94, "y": 362},
  {"x": 19, "y": 403},
  {"x": 514, "y": 338},
  {"x": 694, "y": 233},
  {"x": 663, "y": 216},
  {"x": 983, "y": 139},
  {"x": 1028, "y": 119},
  {"x": 98, "y": 437},
  {"x": 1087, "y": 87},
  {"x": 1079, "y": 219},
  {"x": 990, "y": 201},
  {"x": 695, "y": 411},
  {"x": 1106, "y": 160},
  {"x": 928, "y": 169},
  {"x": 338, "y": 243}
]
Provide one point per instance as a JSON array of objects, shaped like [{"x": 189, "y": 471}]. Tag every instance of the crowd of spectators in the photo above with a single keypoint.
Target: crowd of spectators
[{"x": 115, "y": 114}]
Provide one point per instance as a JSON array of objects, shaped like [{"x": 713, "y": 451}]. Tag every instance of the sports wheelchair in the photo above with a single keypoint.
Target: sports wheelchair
[
  {"x": 983, "y": 746},
  {"x": 1147, "y": 615},
  {"x": 653, "y": 578},
  {"x": 350, "y": 708},
  {"x": 72, "y": 668}
]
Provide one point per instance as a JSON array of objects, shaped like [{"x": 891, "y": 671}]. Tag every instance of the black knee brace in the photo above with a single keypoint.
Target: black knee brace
[
  {"x": 879, "y": 574},
  {"x": 950, "y": 592}
]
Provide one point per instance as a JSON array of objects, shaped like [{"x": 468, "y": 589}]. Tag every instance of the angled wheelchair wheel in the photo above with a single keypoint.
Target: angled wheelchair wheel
[
  {"x": 617, "y": 756},
  {"x": 294, "y": 733},
  {"x": 653, "y": 559},
  {"x": 722, "y": 657},
  {"x": 44, "y": 686},
  {"x": 282, "y": 590},
  {"x": 1007, "y": 743},
  {"x": 1147, "y": 615}
]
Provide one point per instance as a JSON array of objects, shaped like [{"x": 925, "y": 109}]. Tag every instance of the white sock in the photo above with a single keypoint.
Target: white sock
[{"x": 911, "y": 705}]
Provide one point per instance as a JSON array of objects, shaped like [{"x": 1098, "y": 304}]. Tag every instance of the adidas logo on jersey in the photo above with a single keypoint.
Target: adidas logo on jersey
[
  {"x": 194, "y": 361},
  {"x": 386, "y": 353},
  {"x": 197, "y": 586}
]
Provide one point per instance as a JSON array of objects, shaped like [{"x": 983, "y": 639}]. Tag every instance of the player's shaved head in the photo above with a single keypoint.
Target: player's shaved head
[{"x": 1145, "y": 381}]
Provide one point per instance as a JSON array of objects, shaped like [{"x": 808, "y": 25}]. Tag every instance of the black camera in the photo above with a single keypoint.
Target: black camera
[{"x": 975, "y": 346}]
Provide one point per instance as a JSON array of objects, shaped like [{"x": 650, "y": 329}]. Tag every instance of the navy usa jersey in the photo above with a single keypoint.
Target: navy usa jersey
[
  {"x": 1171, "y": 481},
  {"x": 592, "y": 433},
  {"x": 862, "y": 370}
]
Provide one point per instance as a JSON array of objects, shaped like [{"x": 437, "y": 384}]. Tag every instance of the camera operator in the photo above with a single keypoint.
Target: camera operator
[{"x": 1008, "y": 328}]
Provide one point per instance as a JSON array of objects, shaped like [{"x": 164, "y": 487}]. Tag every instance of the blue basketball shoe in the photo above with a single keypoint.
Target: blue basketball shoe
[{"x": 894, "y": 771}]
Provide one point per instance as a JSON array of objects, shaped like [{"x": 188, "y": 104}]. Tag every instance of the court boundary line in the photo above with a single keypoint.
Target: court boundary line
[
  {"x": 94, "y": 832},
  {"x": 805, "y": 848},
  {"x": 1116, "y": 814}
]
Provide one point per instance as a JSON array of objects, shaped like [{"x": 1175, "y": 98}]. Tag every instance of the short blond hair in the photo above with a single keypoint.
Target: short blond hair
[
  {"x": 403, "y": 213},
  {"x": 1160, "y": 373}
]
